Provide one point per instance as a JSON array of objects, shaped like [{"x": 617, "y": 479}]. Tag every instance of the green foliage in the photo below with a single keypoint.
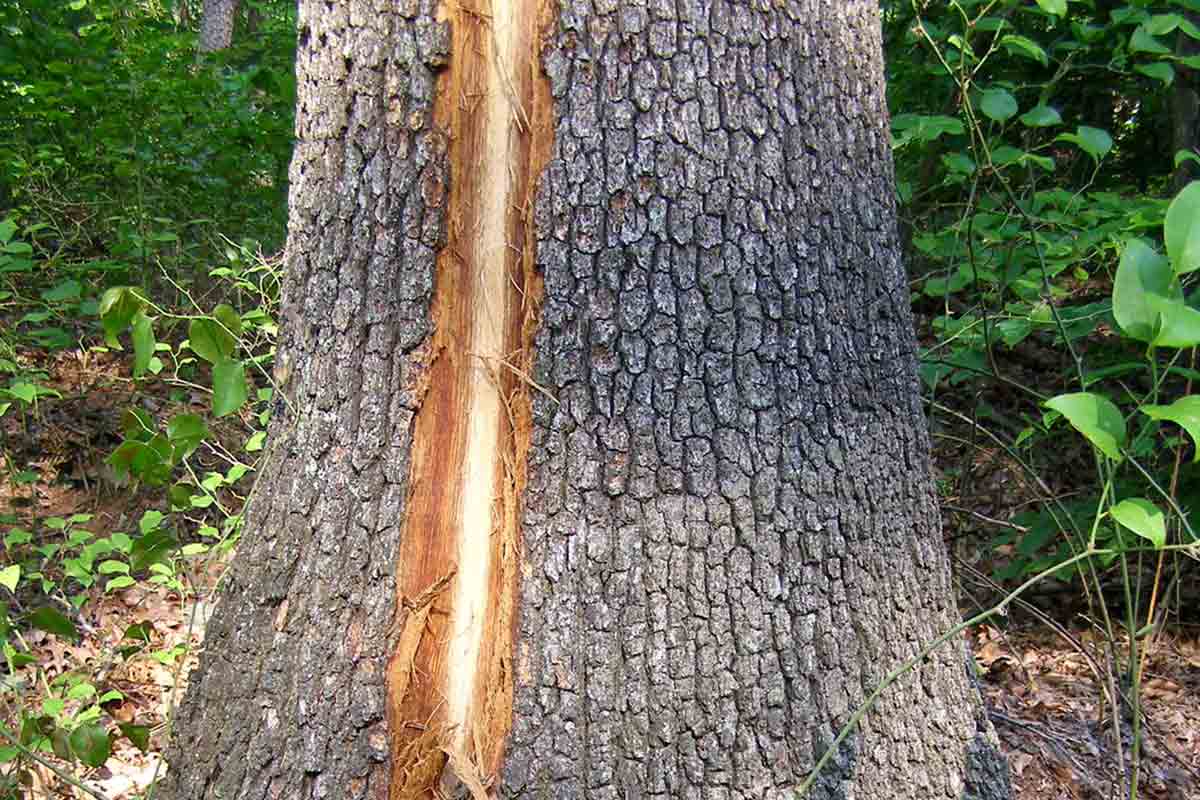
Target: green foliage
[{"x": 124, "y": 157}]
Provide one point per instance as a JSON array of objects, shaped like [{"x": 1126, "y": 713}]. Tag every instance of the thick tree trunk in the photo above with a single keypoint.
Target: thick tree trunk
[
  {"x": 216, "y": 25},
  {"x": 604, "y": 472}
]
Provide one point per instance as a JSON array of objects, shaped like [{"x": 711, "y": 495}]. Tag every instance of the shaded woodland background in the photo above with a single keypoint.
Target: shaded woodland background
[{"x": 1044, "y": 158}]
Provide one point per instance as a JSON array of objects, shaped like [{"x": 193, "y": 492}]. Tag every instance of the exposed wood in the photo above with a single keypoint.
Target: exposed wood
[{"x": 471, "y": 433}]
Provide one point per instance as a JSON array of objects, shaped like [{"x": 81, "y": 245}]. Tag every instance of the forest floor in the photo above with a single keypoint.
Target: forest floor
[{"x": 1039, "y": 665}]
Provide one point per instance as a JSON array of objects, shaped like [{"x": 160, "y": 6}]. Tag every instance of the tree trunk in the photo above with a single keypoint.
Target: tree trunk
[
  {"x": 1185, "y": 107},
  {"x": 603, "y": 471},
  {"x": 216, "y": 25}
]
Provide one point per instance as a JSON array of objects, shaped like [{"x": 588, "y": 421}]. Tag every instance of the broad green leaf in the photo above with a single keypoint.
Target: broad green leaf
[
  {"x": 151, "y": 520},
  {"x": 1143, "y": 287},
  {"x": 1184, "y": 412},
  {"x": 1178, "y": 325},
  {"x": 1096, "y": 417},
  {"x": 1022, "y": 46},
  {"x": 229, "y": 318},
  {"x": 111, "y": 566},
  {"x": 1162, "y": 24},
  {"x": 209, "y": 339},
  {"x": 90, "y": 744},
  {"x": 998, "y": 104},
  {"x": 1185, "y": 155},
  {"x": 143, "y": 343},
  {"x": 62, "y": 292},
  {"x": 255, "y": 442},
  {"x": 1160, "y": 71},
  {"x": 923, "y": 128},
  {"x": 1143, "y": 518},
  {"x": 1181, "y": 230},
  {"x": 1056, "y": 7},
  {"x": 229, "y": 386},
  {"x": 25, "y": 392},
  {"x": 53, "y": 621},
  {"x": 116, "y": 310},
  {"x": 151, "y": 549},
  {"x": 1142, "y": 41},
  {"x": 138, "y": 734},
  {"x": 1041, "y": 116},
  {"x": 186, "y": 432},
  {"x": 1092, "y": 141},
  {"x": 9, "y": 576}
]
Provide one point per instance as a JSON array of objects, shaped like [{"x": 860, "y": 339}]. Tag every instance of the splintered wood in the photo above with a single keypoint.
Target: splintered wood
[{"x": 450, "y": 673}]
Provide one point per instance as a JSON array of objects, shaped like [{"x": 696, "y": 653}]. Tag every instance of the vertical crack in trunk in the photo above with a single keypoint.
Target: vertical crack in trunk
[{"x": 450, "y": 674}]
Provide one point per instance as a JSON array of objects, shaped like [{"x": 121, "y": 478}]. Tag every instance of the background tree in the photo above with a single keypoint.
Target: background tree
[
  {"x": 216, "y": 25},
  {"x": 602, "y": 471}
]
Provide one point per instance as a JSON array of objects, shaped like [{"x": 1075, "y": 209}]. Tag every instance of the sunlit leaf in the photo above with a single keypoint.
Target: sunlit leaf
[
  {"x": 1184, "y": 412},
  {"x": 1143, "y": 518},
  {"x": 1181, "y": 230},
  {"x": 10, "y": 576},
  {"x": 1096, "y": 417}
]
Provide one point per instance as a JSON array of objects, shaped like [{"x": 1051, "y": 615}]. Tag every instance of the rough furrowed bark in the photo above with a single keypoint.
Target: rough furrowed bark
[
  {"x": 216, "y": 25},
  {"x": 620, "y": 493}
]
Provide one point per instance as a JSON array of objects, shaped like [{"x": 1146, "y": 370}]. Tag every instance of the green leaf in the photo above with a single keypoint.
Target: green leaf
[
  {"x": 138, "y": 734},
  {"x": 229, "y": 387},
  {"x": 139, "y": 632},
  {"x": 1181, "y": 230},
  {"x": 1184, "y": 412},
  {"x": 1022, "y": 46},
  {"x": 10, "y": 576},
  {"x": 1143, "y": 518},
  {"x": 151, "y": 549},
  {"x": 255, "y": 442},
  {"x": 62, "y": 292},
  {"x": 229, "y": 318},
  {"x": 998, "y": 104},
  {"x": 1096, "y": 417},
  {"x": 151, "y": 521},
  {"x": 1056, "y": 7},
  {"x": 1041, "y": 116},
  {"x": 1159, "y": 71},
  {"x": 1092, "y": 141},
  {"x": 53, "y": 621},
  {"x": 116, "y": 310},
  {"x": 1162, "y": 24},
  {"x": 112, "y": 567},
  {"x": 1142, "y": 41},
  {"x": 186, "y": 432},
  {"x": 208, "y": 339},
  {"x": 119, "y": 582},
  {"x": 90, "y": 744},
  {"x": 1143, "y": 287},
  {"x": 1178, "y": 326},
  {"x": 143, "y": 343}
]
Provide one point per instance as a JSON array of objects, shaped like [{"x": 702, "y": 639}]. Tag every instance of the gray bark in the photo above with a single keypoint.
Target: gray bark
[
  {"x": 216, "y": 25},
  {"x": 729, "y": 530}
]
